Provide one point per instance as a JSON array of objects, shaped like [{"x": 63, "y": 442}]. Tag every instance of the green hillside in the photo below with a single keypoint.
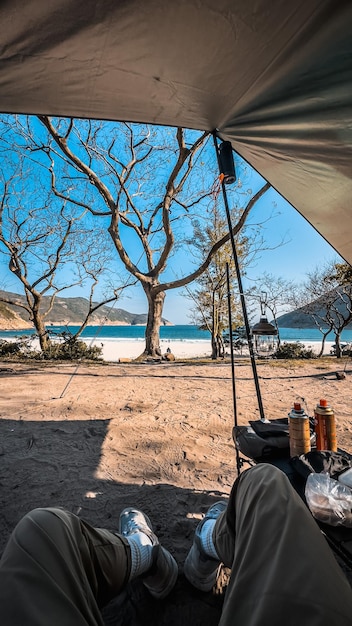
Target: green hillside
[{"x": 72, "y": 311}]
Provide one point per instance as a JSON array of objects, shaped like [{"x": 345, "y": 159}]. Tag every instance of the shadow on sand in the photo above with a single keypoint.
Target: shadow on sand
[{"x": 54, "y": 463}]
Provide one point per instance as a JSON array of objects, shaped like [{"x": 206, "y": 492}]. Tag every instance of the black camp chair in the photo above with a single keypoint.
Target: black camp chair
[{"x": 273, "y": 448}]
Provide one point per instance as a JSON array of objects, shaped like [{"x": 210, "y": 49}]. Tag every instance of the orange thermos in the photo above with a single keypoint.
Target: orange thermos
[{"x": 325, "y": 427}]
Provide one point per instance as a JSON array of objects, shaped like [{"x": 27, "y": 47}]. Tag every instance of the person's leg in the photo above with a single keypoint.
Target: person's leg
[
  {"x": 282, "y": 569},
  {"x": 56, "y": 570},
  {"x": 202, "y": 563}
]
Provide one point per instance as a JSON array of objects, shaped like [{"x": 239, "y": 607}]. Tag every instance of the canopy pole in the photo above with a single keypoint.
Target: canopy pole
[
  {"x": 239, "y": 280},
  {"x": 238, "y": 459}
]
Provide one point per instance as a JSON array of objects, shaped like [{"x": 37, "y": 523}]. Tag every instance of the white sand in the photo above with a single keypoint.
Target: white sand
[{"x": 115, "y": 349}]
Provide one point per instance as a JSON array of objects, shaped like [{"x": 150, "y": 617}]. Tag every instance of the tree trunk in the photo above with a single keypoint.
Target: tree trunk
[
  {"x": 222, "y": 347},
  {"x": 321, "y": 351},
  {"x": 42, "y": 332},
  {"x": 217, "y": 347},
  {"x": 214, "y": 347},
  {"x": 278, "y": 332},
  {"x": 40, "y": 327},
  {"x": 338, "y": 346},
  {"x": 152, "y": 331},
  {"x": 214, "y": 343}
]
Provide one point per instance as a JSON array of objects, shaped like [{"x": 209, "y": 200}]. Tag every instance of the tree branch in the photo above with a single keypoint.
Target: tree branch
[{"x": 236, "y": 229}]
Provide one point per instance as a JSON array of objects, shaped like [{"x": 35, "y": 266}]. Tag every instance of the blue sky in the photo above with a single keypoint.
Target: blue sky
[{"x": 303, "y": 247}]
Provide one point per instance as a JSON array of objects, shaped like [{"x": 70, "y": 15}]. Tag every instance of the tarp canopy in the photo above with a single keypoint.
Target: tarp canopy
[{"x": 273, "y": 77}]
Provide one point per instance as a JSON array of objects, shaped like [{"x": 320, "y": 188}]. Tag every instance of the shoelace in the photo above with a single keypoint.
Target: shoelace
[{"x": 133, "y": 525}]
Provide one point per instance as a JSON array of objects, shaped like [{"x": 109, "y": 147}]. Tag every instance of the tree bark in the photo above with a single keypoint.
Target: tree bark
[
  {"x": 152, "y": 331},
  {"x": 217, "y": 345},
  {"x": 338, "y": 345},
  {"x": 40, "y": 327},
  {"x": 214, "y": 345},
  {"x": 221, "y": 348},
  {"x": 214, "y": 348},
  {"x": 321, "y": 351}
]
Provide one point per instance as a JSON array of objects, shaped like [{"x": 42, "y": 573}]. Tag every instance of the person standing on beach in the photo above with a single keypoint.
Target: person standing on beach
[{"x": 59, "y": 570}]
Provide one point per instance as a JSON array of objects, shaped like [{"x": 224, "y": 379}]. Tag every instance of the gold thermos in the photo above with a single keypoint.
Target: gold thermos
[{"x": 299, "y": 431}]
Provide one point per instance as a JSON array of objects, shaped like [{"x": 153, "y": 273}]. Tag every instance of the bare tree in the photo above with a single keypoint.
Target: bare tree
[
  {"x": 326, "y": 298},
  {"x": 39, "y": 241},
  {"x": 340, "y": 281},
  {"x": 138, "y": 181}
]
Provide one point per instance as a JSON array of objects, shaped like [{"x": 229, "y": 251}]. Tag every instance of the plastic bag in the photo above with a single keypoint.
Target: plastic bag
[{"x": 328, "y": 500}]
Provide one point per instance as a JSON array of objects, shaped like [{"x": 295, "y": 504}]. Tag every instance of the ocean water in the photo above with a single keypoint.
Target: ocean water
[{"x": 185, "y": 332}]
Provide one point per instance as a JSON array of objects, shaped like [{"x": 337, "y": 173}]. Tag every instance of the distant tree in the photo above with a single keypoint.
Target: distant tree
[
  {"x": 39, "y": 241},
  {"x": 340, "y": 280},
  {"x": 327, "y": 298},
  {"x": 342, "y": 274},
  {"x": 210, "y": 293},
  {"x": 278, "y": 294}
]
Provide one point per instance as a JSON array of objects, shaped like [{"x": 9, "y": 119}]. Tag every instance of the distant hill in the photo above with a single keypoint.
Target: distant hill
[
  {"x": 295, "y": 319},
  {"x": 10, "y": 320},
  {"x": 300, "y": 318},
  {"x": 67, "y": 311}
]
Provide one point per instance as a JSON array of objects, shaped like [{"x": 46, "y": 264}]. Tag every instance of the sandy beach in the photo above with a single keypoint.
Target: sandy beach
[
  {"x": 115, "y": 349},
  {"x": 97, "y": 438}
]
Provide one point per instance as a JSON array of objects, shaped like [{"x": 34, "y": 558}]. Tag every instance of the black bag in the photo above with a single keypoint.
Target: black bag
[
  {"x": 262, "y": 440},
  {"x": 318, "y": 461},
  {"x": 275, "y": 428}
]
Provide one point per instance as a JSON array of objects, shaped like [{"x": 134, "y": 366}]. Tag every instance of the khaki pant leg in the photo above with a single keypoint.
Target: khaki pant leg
[
  {"x": 283, "y": 571},
  {"x": 58, "y": 570}
]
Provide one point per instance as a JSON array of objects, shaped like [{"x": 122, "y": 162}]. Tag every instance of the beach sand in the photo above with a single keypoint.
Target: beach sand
[
  {"x": 115, "y": 349},
  {"x": 97, "y": 438}
]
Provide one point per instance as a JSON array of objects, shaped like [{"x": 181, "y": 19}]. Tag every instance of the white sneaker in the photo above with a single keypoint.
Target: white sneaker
[{"x": 161, "y": 577}]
